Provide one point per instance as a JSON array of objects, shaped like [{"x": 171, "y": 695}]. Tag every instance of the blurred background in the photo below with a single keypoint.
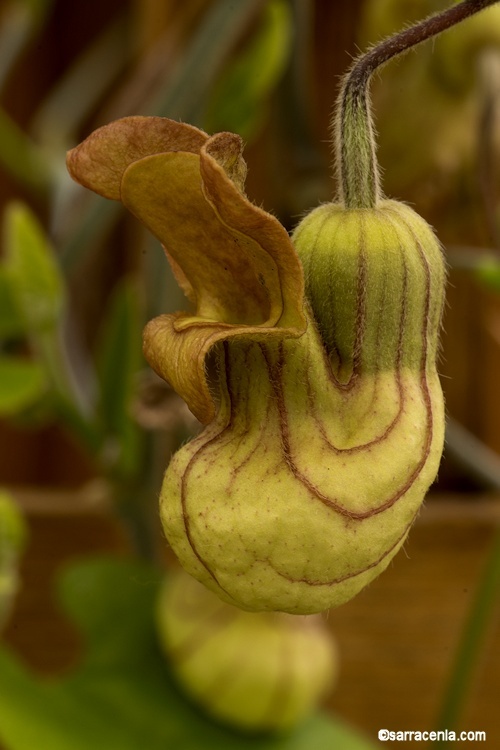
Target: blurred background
[{"x": 86, "y": 430}]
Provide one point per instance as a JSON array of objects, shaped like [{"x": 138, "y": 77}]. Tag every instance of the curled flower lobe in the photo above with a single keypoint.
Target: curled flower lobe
[{"x": 234, "y": 261}]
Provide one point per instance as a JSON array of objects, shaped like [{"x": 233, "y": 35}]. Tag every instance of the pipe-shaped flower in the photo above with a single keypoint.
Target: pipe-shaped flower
[
  {"x": 259, "y": 671},
  {"x": 324, "y": 428}
]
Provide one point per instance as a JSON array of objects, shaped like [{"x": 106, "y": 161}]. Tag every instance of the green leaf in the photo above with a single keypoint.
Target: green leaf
[
  {"x": 38, "y": 9},
  {"x": 13, "y": 530},
  {"x": 239, "y": 100},
  {"x": 22, "y": 383},
  {"x": 38, "y": 290},
  {"x": 37, "y": 284},
  {"x": 19, "y": 19},
  {"x": 488, "y": 272},
  {"x": 11, "y": 322},
  {"x": 20, "y": 155},
  {"x": 221, "y": 28},
  {"x": 91, "y": 74},
  {"x": 122, "y": 696},
  {"x": 118, "y": 361},
  {"x": 12, "y": 542}
]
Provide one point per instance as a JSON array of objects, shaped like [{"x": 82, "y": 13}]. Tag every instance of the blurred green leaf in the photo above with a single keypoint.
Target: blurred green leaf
[
  {"x": 488, "y": 272},
  {"x": 20, "y": 18},
  {"x": 13, "y": 531},
  {"x": 14, "y": 31},
  {"x": 93, "y": 225},
  {"x": 38, "y": 9},
  {"x": 11, "y": 322},
  {"x": 21, "y": 157},
  {"x": 239, "y": 100},
  {"x": 122, "y": 696},
  {"x": 22, "y": 383},
  {"x": 82, "y": 85},
  {"x": 223, "y": 24},
  {"x": 118, "y": 362},
  {"x": 39, "y": 293},
  {"x": 37, "y": 284},
  {"x": 13, "y": 534}
]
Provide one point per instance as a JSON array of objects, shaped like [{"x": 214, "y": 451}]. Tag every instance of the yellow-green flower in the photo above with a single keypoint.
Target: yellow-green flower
[
  {"x": 260, "y": 671},
  {"x": 323, "y": 426}
]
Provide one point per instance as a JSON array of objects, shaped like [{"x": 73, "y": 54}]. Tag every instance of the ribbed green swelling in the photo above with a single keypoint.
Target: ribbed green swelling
[{"x": 375, "y": 280}]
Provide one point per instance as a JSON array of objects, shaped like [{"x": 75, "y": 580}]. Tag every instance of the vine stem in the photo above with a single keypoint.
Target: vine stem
[{"x": 357, "y": 165}]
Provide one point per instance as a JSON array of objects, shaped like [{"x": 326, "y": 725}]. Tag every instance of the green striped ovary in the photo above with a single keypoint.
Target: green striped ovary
[{"x": 305, "y": 485}]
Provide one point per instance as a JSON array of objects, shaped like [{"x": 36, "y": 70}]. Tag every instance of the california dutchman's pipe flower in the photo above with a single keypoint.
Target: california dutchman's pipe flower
[
  {"x": 323, "y": 431},
  {"x": 259, "y": 671}
]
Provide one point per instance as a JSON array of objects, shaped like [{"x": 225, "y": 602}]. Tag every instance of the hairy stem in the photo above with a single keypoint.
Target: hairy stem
[{"x": 355, "y": 143}]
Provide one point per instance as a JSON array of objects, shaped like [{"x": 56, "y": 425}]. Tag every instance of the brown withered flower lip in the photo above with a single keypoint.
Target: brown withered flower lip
[{"x": 234, "y": 261}]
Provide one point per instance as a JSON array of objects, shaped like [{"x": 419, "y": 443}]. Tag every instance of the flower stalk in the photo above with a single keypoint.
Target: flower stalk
[{"x": 358, "y": 173}]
